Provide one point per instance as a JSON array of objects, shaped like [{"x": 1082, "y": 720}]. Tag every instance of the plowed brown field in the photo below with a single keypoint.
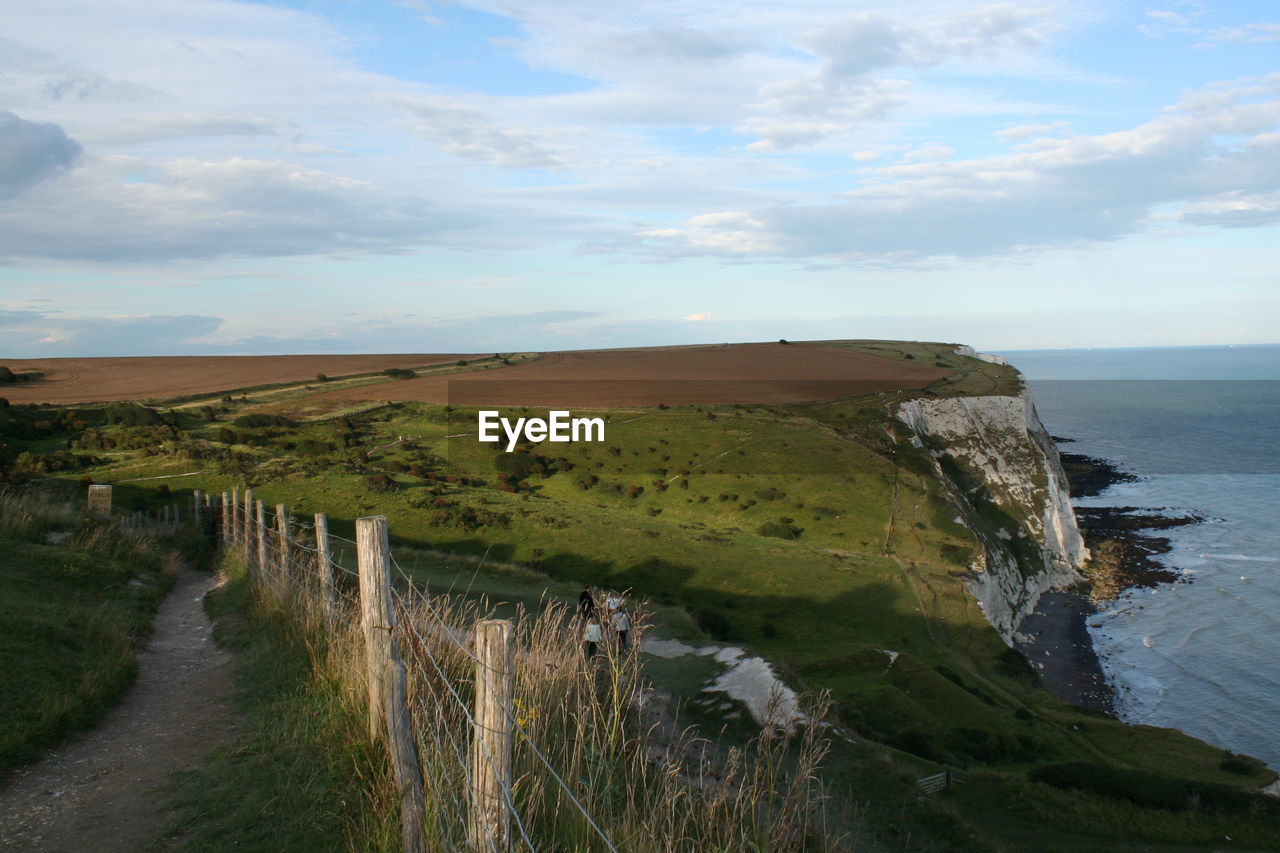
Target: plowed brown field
[
  {"x": 744, "y": 373},
  {"x": 101, "y": 380}
]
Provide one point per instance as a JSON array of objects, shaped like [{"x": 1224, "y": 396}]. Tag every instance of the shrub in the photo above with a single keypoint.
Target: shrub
[
  {"x": 1159, "y": 792},
  {"x": 779, "y": 530},
  {"x": 398, "y": 373},
  {"x": 1237, "y": 764},
  {"x": 320, "y": 377},
  {"x": 380, "y": 483},
  {"x": 7, "y": 376},
  {"x": 713, "y": 623},
  {"x": 257, "y": 421},
  {"x": 4, "y": 403},
  {"x": 133, "y": 416}
]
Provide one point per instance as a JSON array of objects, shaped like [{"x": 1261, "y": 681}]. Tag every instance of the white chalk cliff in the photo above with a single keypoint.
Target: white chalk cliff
[{"x": 1007, "y": 484}]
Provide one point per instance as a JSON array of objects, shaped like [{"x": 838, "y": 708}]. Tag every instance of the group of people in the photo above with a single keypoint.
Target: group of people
[{"x": 612, "y": 613}]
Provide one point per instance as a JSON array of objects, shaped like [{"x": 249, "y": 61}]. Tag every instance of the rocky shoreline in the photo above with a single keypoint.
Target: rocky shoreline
[{"x": 1055, "y": 637}]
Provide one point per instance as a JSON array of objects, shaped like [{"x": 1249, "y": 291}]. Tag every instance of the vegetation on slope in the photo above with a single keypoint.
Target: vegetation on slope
[
  {"x": 78, "y": 598},
  {"x": 814, "y": 534}
]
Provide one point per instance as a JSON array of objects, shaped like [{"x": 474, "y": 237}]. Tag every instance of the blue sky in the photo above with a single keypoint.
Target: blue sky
[{"x": 204, "y": 176}]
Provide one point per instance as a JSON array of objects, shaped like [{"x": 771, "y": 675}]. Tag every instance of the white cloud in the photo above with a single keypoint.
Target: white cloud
[
  {"x": 1079, "y": 189},
  {"x": 150, "y": 128},
  {"x": 1255, "y": 33},
  {"x": 198, "y": 209},
  {"x": 1033, "y": 131},
  {"x": 465, "y": 131},
  {"x": 697, "y": 318},
  {"x": 841, "y": 93}
]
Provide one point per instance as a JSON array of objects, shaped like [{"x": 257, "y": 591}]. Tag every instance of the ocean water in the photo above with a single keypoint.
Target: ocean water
[{"x": 1201, "y": 427}]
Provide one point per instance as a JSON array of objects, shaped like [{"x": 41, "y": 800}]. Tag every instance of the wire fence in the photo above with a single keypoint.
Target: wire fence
[{"x": 571, "y": 756}]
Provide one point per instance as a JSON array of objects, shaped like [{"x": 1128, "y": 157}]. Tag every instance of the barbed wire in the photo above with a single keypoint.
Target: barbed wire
[{"x": 270, "y": 543}]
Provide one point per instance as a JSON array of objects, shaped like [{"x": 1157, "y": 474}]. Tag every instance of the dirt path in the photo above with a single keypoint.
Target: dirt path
[{"x": 98, "y": 791}]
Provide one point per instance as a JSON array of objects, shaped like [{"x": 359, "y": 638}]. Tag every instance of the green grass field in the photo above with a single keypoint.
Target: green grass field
[{"x": 815, "y": 535}]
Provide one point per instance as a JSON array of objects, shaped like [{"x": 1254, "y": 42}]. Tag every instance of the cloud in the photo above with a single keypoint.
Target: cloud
[
  {"x": 841, "y": 93},
  {"x": 1078, "y": 189},
  {"x": 151, "y": 128},
  {"x": 697, "y": 318},
  {"x": 31, "y": 151},
  {"x": 673, "y": 44},
  {"x": 1235, "y": 210},
  {"x": 1256, "y": 33},
  {"x": 465, "y": 131},
  {"x": 1032, "y": 131},
  {"x": 36, "y": 334},
  {"x": 199, "y": 209}
]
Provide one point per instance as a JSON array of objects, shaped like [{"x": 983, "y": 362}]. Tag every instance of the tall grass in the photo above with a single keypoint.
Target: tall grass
[{"x": 595, "y": 756}]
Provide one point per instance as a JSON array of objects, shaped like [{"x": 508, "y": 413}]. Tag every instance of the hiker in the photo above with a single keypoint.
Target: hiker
[
  {"x": 622, "y": 625},
  {"x": 613, "y": 602},
  {"x": 586, "y": 603},
  {"x": 592, "y": 638}
]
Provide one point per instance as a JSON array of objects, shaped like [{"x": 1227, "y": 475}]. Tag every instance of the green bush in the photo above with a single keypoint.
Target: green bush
[
  {"x": 398, "y": 373},
  {"x": 1151, "y": 791},
  {"x": 257, "y": 421},
  {"x": 133, "y": 416},
  {"x": 779, "y": 530}
]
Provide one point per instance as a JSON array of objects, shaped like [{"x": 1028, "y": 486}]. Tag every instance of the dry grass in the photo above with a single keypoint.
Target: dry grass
[{"x": 595, "y": 762}]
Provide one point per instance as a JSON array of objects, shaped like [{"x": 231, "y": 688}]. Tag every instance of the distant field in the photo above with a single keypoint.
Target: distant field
[
  {"x": 102, "y": 380},
  {"x": 744, "y": 373}
]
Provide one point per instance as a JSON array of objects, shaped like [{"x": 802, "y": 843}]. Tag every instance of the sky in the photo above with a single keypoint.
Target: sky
[{"x": 213, "y": 177}]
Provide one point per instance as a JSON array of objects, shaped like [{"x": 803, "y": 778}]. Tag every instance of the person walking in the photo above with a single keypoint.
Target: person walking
[
  {"x": 622, "y": 626},
  {"x": 586, "y": 603},
  {"x": 591, "y": 637}
]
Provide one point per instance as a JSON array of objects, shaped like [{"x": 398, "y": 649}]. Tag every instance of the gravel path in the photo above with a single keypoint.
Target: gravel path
[{"x": 98, "y": 792}]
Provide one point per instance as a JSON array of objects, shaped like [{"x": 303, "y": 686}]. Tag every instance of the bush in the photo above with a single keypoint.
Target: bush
[
  {"x": 7, "y": 376},
  {"x": 320, "y": 377},
  {"x": 713, "y": 623},
  {"x": 380, "y": 483},
  {"x": 4, "y": 403},
  {"x": 779, "y": 530},
  {"x": 398, "y": 373},
  {"x": 133, "y": 416},
  {"x": 262, "y": 420},
  {"x": 1151, "y": 791}
]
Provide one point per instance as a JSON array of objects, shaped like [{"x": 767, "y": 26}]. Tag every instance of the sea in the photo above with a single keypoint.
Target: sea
[{"x": 1200, "y": 427}]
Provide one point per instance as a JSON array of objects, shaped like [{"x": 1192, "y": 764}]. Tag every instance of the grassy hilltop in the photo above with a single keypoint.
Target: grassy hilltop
[{"x": 815, "y": 534}]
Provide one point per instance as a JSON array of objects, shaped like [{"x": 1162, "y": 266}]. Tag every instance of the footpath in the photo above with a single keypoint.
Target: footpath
[{"x": 99, "y": 791}]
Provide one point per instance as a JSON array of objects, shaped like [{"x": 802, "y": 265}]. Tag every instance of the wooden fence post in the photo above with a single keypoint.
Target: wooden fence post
[
  {"x": 282, "y": 538},
  {"x": 328, "y": 592},
  {"x": 195, "y": 506},
  {"x": 224, "y": 520},
  {"x": 100, "y": 500},
  {"x": 388, "y": 693},
  {"x": 262, "y": 539},
  {"x": 373, "y": 554},
  {"x": 235, "y": 534},
  {"x": 246, "y": 542},
  {"x": 488, "y": 820}
]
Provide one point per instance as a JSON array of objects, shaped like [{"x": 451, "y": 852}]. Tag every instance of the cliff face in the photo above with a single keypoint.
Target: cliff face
[{"x": 1008, "y": 486}]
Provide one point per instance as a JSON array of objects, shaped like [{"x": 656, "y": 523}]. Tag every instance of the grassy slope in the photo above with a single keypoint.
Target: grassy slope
[
  {"x": 70, "y": 618},
  {"x": 879, "y": 564}
]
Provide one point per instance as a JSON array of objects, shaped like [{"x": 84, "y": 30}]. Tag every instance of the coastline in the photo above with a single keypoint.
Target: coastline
[{"x": 1055, "y": 636}]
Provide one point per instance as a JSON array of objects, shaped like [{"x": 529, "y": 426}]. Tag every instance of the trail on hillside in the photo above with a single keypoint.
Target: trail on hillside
[{"x": 98, "y": 792}]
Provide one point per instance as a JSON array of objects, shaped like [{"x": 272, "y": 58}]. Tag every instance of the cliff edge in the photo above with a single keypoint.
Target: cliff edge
[{"x": 1006, "y": 482}]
